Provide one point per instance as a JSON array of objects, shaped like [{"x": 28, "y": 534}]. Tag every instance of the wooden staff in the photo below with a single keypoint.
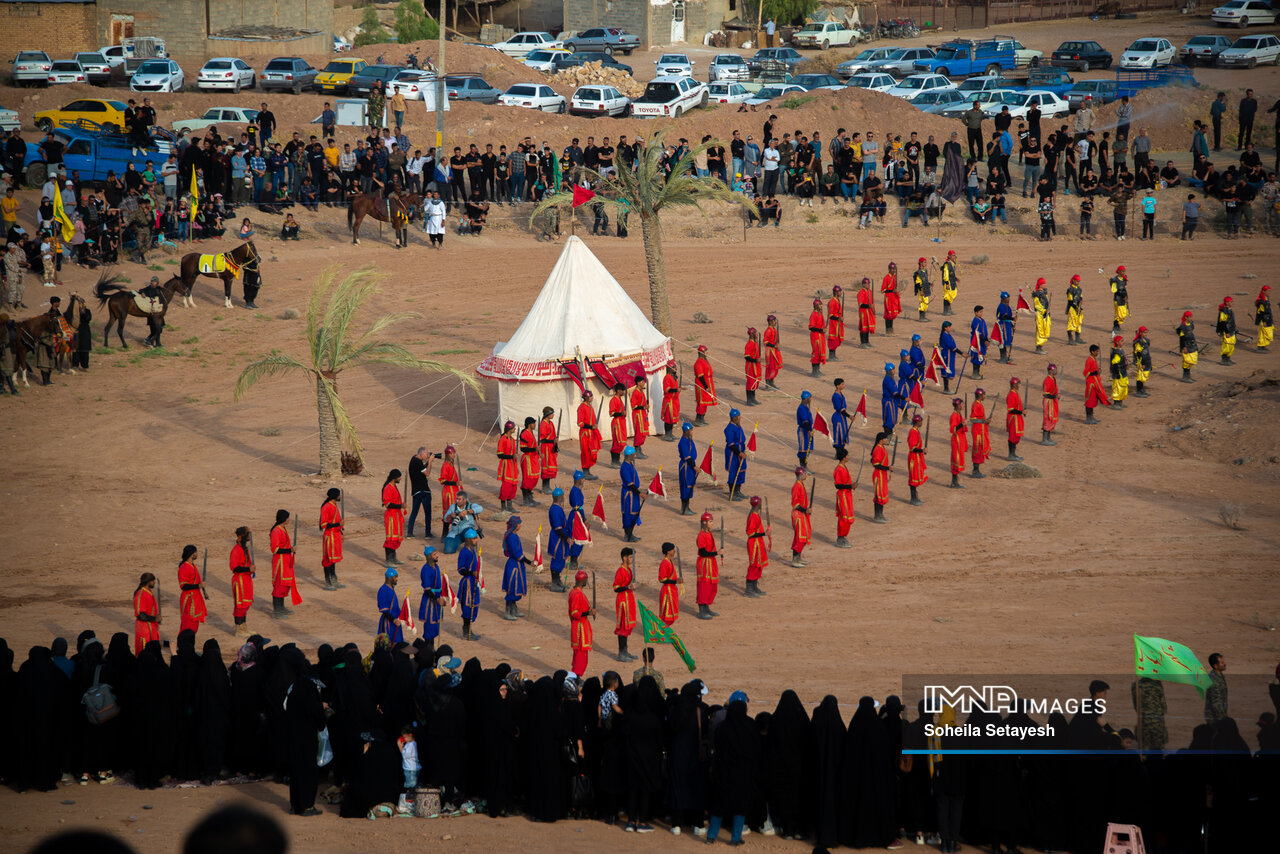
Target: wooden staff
[{"x": 768, "y": 522}]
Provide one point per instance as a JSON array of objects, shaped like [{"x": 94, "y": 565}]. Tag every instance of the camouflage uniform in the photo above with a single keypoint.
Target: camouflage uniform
[
  {"x": 1151, "y": 711},
  {"x": 141, "y": 222},
  {"x": 1215, "y": 698}
]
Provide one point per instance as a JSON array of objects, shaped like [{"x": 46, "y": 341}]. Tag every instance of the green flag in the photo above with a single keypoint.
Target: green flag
[
  {"x": 656, "y": 631},
  {"x": 1158, "y": 658}
]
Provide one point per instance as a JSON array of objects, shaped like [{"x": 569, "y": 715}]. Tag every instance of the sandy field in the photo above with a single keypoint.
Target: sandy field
[{"x": 110, "y": 473}]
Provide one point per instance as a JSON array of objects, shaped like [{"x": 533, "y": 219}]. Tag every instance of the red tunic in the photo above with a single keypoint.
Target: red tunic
[
  {"x": 751, "y": 353},
  {"x": 530, "y": 461},
  {"x": 624, "y": 602},
  {"x": 670, "y": 400},
  {"x": 617, "y": 425},
  {"x": 449, "y": 486},
  {"x": 835, "y": 323},
  {"x": 1014, "y": 419},
  {"x": 757, "y": 546},
  {"x": 392, "y": 516},
  {"x": 588, "y": 435},
  {"x": 772, "y": 355},
  {"x": 579, "y": 629},
  {"x": 892, "y": 301},
  {"x": 669, "y": 598},
  {"x": 801, "y": 525},
  {"x": 959, "y": 443},
  {"x": 981, "y": 433},
  {"x": 508, "y": 473},
  {"x": 144, "y": 631},
  {"x": 704, "y": 385},
  {"x": 1050, "y": 403},
  {"x": 548, "y": 448},
  {"x": 817, "y": 338},
  {"x": 708, "y": 568},
  {"x": 639, "y": 417},
  {"x": 844, "y": 500},
  {"x": 917, "y": 469},
  {"x": 866, "y": 311},
  {"x": 1094, "y": 394},
  {"x": 283, "y": 581},
  {"x": 191, "y": 604},
  {"x": 880, "y": 472},
  {"x": 241, "y": 580},
  {"x": 331, "y": 528}
]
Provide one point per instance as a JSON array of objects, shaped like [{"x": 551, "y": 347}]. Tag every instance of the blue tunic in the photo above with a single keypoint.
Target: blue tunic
[
  {"x": 735, "y": 453},
  {"x": 688, "y": 466},
  {"x": 839, "y": 420},
  {"x": 469, "y": 585},
  {"x": 513, "y": 577},
  {"x": 575, "y": 506},
  {"x": 888, "y": 403},
  {"x": 978, "y": 326},
  {"x": 804, "y": 432},
  {"x": 561, "y": 537},
  {"x": 389, "y": 608},
  {"x": 947, "y": 349},
  {"x": 1004, "y": 317},
  {"x": 630, "y": 494},
  {"x": 430, "y": 609}
]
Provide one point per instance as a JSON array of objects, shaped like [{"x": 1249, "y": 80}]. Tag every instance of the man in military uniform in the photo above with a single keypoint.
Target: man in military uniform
[
  {"x": 1142, "y": 361},
  {"x": 1226, "y": 329},
  {"x": 1149, "y": 703},
  {"x": 1075, "y": 311},
  {"x": 950, "y": 282}
]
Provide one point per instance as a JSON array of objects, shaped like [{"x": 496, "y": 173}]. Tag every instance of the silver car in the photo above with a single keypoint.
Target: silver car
[
  {"x": 65, "y": 71},
  {"x": 863, "y": 60},
  {"x": 96, "y": 68},
  {"x": 901, "y": 62},
  {"x": 728, "y": 66},
  {"x": 30, "y": 66},
  {"x": 289, "y": 73}
]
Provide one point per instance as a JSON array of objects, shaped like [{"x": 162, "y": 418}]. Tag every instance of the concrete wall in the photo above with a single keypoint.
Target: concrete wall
[
  {"x": 59, "y": 29},
  {"x": 525, "y": 14},
  {"x": 250, "y": 48},
  {"x": 649, "y": 19},
  {"x": 303, "y": 14},
  {"x": 182, "y": 23}
]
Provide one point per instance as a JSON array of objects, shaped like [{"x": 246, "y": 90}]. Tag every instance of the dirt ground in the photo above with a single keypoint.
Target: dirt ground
[{"x": 109, "y": 474}]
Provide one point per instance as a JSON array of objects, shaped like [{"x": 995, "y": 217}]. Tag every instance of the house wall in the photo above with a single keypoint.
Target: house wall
[
  {"x": 649, "y": 19},
  {"x": 184, "y": 27},
  {"x": 59, "y": 29}
]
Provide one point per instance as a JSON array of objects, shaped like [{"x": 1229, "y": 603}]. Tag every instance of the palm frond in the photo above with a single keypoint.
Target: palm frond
[
  {"x": 276, "y": 364},
  {"x": 556, "y": 200},
  {"x": 346, "y": 429},
  {"x": 380, "y": 324},
  {"x": 397, "y": 355},
  {"x": 315, "y": 314},
  {"x": 345, "y": 302}
]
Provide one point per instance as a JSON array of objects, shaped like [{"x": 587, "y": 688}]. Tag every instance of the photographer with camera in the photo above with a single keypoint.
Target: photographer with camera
[{"x": 420, "y": 488}]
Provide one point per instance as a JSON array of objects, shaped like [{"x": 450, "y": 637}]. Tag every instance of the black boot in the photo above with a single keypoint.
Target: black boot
[
  {"x": 587, "y": 475},
  {"x": 915, "y": 497},
  {"x": 630, "y": 537},
  {"x": 751, "y": 398},
  {"x": 770, "y": 384},
  {"x": 1003, "y": 356},
  {"x": 814, "y": 372},
  {"x": 1186, "y": 375},
  {"x": 1088, "y": 416},
  {"x": 977, "y": 472},
  {"x": 699, "y": 420},
  {"x": 888, "y": 325},
  {"x": 1013, "y": 453},
  {"x": 946, "y": 309},
  {"x": 704, "y": 613},
  {"x": 864, "y": 342},
  {"x": 843, "y": 543},
  {"x": 557, "y": 585},
  {"x": 546, "y": 486},
  {"x": 831, "y": 355},
  {"x": 1040, "y": 349},
  {"x": 878, "y": 518},
  {"x": 623, "y": 655},
  {"x": 750, "y": 591},
  {"x": 684, "y": 509},
  {"x": 530, "y": 500},
  {"x": 44, "y": 378},
  {"x": 795, "y": 560},
  {"x": 1141, "y": 390},
  {"x": 1046, "y": 438},
  {"x": 278, "y": 611},
  {"x": 975, "y": 374},
  {"x": 955, "y": 482},
  {"x": 946, "y": 384},
  {"x": 923, "y": 317},
  {"x": 467, "y": 634},
  {"x": 667, "y": 435},
  {"x": 328, "y": 578},
  {"x": 510, "y": 613},
  {"x": 1226, "y": 360},
  {"x": 390, "y": 556},
  {"x": 755, "y": 585},
  {"x": 613, "y": 459}
]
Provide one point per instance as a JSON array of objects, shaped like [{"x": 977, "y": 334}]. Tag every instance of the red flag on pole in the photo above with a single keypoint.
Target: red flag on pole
[
  {"x": 581, "y": 533},
  {"x": 996, "y": 335},
  {"x": 917, "y": 396},
  {"x": 706, "y": 465},
  {"x": 861, "y": 408},
  {"x": 820, "y": 424},
  {"x": 657, "y": 487},
  {"x": 751, "y": 442},
  {"x": 447, "y": 594},
  {"x": 1022, "y": 303},
  {"x": 931, "y": 373},
  {"x": 537, "y": 549},
  {"x": 406, "y": 614},
  {"x": 581, "y": 195},
  {"x": 598, "y": 509}
]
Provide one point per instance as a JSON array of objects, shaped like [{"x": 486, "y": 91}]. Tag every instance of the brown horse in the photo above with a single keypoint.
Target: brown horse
[
  {"x": 245, "y": 256},
  {"x": 399, "y": 206},
  {"x": 120, "y": 304},
  {"x": 33, "y": 328}
]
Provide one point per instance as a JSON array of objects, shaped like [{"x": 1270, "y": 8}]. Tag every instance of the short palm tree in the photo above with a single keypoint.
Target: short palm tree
[
  {"x": 334, "y": 347},
  {"x": 648, "y": 191}
]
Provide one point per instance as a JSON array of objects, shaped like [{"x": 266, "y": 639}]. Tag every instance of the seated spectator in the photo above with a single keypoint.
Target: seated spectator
[
  {"x": 830, "y": 184},
  {"x": 873, "y": 186},
  {"x": 914, "y": 207},
  {"x": 755, "y": 211},
  {"x": 1107, "y": 185},
  {"x": 289, "y": 230},
  {"x": 307, "y": 194},
  {"x": 997, "y": 206},
  {"x": 1169, "y": 174},
  {"x": 982, "y": 211},
  {"x": 246, "y": 229},
  {"x": 806, "y": 189},
  {"x": 849, "y": 184},
  {"x": 1088, "y": 183},
  {"x": 903, "y": 183},
  {"x": 331, "y": 192},
  {"x": 773, "y": 210},
  {"x": 934, "y": 205},
  {"x": 866, "y": 211},
  {"x": 477, "y": 212}
]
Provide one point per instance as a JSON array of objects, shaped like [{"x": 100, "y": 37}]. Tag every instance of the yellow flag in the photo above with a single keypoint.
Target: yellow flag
[
  {"x": 195, "y": 195},
  {"x": 60, "y": 214}
]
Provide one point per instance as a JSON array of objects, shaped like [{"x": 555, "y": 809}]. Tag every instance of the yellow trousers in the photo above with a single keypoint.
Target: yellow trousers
[
  {"x": 924, "y": 303},
  {"x": 1266, "y": 334},
  {"x": 1189, "y": 360},
  {"x": 949, "y": 294},
  {"x": 1122, "y": 314},
  {"x": 1228, "y": 345},
  {"x": 1143, "y": 376},
  {"x": 1074, "y": 319},
  {"x": 1120, "y": 389},
  {"x": 1043, "y": 324}
]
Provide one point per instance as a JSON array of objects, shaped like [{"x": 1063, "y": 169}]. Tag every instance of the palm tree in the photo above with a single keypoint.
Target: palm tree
[
  {"x": 647, "y": 189},
  {"x": 335, "y": 347}
]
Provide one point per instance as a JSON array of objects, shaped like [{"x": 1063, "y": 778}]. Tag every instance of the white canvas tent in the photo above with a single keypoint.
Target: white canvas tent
[{"x": 581, "y": 315}]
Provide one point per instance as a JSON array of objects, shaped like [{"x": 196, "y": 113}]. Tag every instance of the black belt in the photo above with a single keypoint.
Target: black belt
[
  {"x": 241, "y": 570},
  {"x": 817, "y": 329},
  {"x": 1015, "y": 411},
  {"x": 450, "y": 483},
  {"x": 754, "y": 536},
  {"x": 546, "y": 441},
  {"x": 753, "y": 361},
  {"x": 506, "y": 457},
  {"x": 705, "y": 553},
  {"x": 639, "y": 408},
  {"x": 916, "y": 451},
  {"x": 189, "y": 587},
  {"x": 528, "y": 449},
  {"x": 844, "y": 486},
  {"x": 1093, "y": 373},
  {"x": 879, "y": 467},
  {"x": 395, "y": 506},
  {"x": 672, "y": 581}
]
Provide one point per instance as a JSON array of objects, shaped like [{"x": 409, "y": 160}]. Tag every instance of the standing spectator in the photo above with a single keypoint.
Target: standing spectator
[
  {"x": 398, "y": 107},
  {"x": 347, "y": 169},
  {"x": 420, "y": 489},
  {"x": 328, "y": 120},
  {"x": 257, "y": 171},
  {"x": 266, "y": 125},
  {"x": 1084, "y": 118},
  {"x": 1033, "y": 170},
  {"x": 772, "y": 161},
  {"x": 1190, "y": 216},
  {"x": 737, "y": 149},
  {"x": 169, "y": 173},
  {"x": 9, "y": 207},
  {"x": 973, "y": 123},
  {"x": 1124, "y": 114},
  {"x": 1215, "y": 696},
  {"x": 1141, "y": 149},
  {"x": 239, "y": 171},
  {"x": 1149, "y": 216},
  {"x": 1199, "y": 145},
  {"x": 1216, "y": 110},
  {"x": 1248, "y": 109},
  {"x": 931, "y": 154}
]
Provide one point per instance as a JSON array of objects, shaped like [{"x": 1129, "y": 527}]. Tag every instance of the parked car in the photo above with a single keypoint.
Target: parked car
[
  {"x": 809, "y": 82},
  {"x": 96, "y": 68},
  {"x": 873, "y": 82},
  {"x": 337, "y": 73},
  {"x": 1203, "y": 49},
  {"x": 1100, "y": 91},
  {"x": 226, "y": 72},
  {"x": 825, "y": 35},
  {"x": 1019, "y": 103},
  {"x": 773, "y": 92},
  {"x": 908, "y": 86},
  {"x": 534, "y": 96},
  {"x": 935, "y": 100},
  {"x": 902, "y": 61},
  {"x": 1242, "y": 13},
  {"x": 862, "y": 62},
  {"x": 728, "y": 66},
  {"x": 965, "y": 57},
  {"x": 469, "y": 87},
  {"x": 108, "y": 114},
  {"x": 1246, "y": 52},
  {"x": 1148, "y": 53},
  {"x": 984, "y": 83},
  {"x": 1026, "y": 55},
  {"x": 114, "y": 54},
  {"x": 93, "y": 155},
  {"x": 983, "y": 98},
  {"x": 411, "y": 82},
  {"x": 372, "y": 78},
  {"x": 65, "y": 71},
  {"x": 521, "y": 43},
  {"x": 1081, "y": 55},
  {"x": 543, "y": 60},
  {"x": 30, "y": 66},
  {"x": 1047, "y": 79},
  {"x": 784, "y": 55},
  {"x": 674, "y": 65},
  {"x": 158, "y": 75},
  {"x": 599, "y": 101},
  {"x": 340, "y": 44},
  {"x": 670, "y": 96},
  {"x": 290, "y": 73},
  {"x": 727, "y": 92},
  {"x": 218, "y": 116},
  {"x": 604, "y": 40},
  {"x": 582, "y": 57},
  {"x": 9, "y": 120}
]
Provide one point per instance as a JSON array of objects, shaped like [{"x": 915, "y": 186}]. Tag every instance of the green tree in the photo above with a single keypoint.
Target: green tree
[
  {"x": 371, "y": 29},
  {"x": 648, "y": 191},
  {"x": 334, "y": 346},
  {"x": 412, "y": 23},
  {"x": 788, "y": 12}
]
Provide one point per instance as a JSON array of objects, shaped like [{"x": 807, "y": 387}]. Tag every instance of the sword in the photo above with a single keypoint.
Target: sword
[
  {"x": 205, "y": 570},
  {"x": 593, "y": 594},
  {"x": 926, "y": 433},
  {"x": 253, "y": 564},
  {"x": 768, "y": 521},
  {"x": 721, "y": 535},
  {"x": 894, "y": 457},
  {"x": 679, "y": 565},
  {"x": 813, "y": 487}
]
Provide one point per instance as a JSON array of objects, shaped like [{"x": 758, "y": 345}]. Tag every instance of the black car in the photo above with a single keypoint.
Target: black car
[
  {"x": 1081, "y": 56},
  {"x": 572, "y": 60},
  {"x": 373, "y": 77}
]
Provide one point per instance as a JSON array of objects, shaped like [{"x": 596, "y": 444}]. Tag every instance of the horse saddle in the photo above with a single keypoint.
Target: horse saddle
[
  {"x": 216, "y": 264},
  {"x": 146, "y": 304}
]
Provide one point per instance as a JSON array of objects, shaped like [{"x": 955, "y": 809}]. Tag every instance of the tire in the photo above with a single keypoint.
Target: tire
[
  {"x": 706, "y": 96},
  {"x": 297, "y": 87},
  {"x": 253, "y": 80},
  {"x": 826, "y": 44},
  {"x": 943, "y": 71},
  {"x": 608, "y": 51},
  {"x": 573, "y": 48},
  {"x": 1106, "y": 63},
  {"x": 993, "y": 68},
  {"x": 563, "y": 107},
  {"x": 111, "y": 127},
  {"x": 1244, "y": 22},
  {"x": 37, "y": 173},
  {"x": 236, "y": 87},
  {"x": 677, "y": 114},
  {"x": 627, "y": 52},
  {"x": 1253, "y": 63},
  {"x": 44, "y": 126}
]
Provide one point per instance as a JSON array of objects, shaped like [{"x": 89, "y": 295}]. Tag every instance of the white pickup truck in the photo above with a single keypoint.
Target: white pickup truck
[
  {"x": 824, "y": 35},
  {"x": 670, "y": 96}
]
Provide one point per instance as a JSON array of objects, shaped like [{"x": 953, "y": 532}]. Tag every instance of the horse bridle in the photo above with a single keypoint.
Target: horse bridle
[{"x": 252, "y": 263}]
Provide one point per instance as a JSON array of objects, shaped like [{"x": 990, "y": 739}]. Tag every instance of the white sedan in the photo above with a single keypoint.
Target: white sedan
[
  {"x": 727, "y": 92},
  {"x": 769, "y": 93},
  {"x": 1242, "y": 13},
  {"x": 544, "y": 59},
  {"x": 1148, "y": 53},
  {"x": 1247, "y": 52},
  {"x": 157, "y": 75},
  {"x": 65, "y": 71},
  {"x": 218, "y": 116},
  {"x": 1020, "y": 103},
  {"x": 917, "y": 83},
  {"x": 226, "y": 72},
  {"x": 411, "y": 82},
  {"x": 872, "y": 82},
  {"x": 533, "y": 96},
  {"x": 521, "y": 44},
  {"x": 599, "y": 101},
  {"x": 674, "y": 65}
]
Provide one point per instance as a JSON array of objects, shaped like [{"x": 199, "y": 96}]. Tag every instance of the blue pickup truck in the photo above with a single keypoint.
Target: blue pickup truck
[
  {"x": 93, "y": 153},
  {"x": 1043, "y": 79},
  {"x": 964, "y": 57}
]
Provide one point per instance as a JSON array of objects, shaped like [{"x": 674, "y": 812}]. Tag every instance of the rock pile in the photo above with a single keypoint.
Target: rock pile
[{"x": 596, "y": 74}]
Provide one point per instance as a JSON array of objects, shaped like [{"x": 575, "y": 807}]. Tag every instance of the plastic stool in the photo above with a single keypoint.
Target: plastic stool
[{"x": 1123, "y": 839}]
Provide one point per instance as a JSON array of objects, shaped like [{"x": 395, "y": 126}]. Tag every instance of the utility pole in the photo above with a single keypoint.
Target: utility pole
[{"x": 440, "y": 93}]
